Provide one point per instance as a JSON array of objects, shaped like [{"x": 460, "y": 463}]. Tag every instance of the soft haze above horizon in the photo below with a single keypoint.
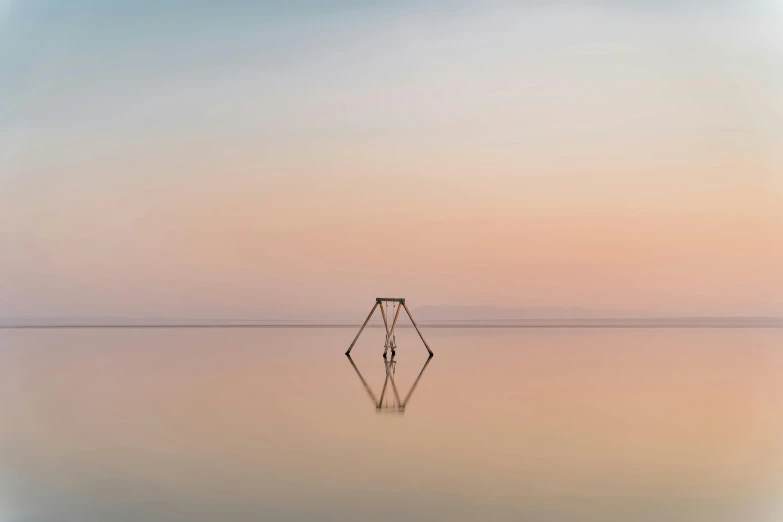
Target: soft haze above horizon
[{"x": 216, "y": 160}]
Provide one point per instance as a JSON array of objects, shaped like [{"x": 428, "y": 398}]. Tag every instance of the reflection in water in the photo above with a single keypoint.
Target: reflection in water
[
  {"x": 387, "y": 403},
  {"x": 541, "y": 425}
]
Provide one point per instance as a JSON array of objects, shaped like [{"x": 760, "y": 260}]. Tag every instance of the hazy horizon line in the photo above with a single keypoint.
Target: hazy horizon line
[{"x": 631, "y": 322}]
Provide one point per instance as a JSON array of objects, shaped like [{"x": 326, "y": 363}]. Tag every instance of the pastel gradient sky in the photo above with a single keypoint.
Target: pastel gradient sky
[{"x": 214, "y": 160}]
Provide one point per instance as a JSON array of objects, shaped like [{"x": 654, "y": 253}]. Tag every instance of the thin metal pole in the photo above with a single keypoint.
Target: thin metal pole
[
  {"x": 415, "y": 326},
  {"x": 385, "y": 324},
  {"x": 390, "y": 375},
  {"x": 416, "y": 382},
  {"x": 383, "y": 391},
  {"x": 362, "y": 328},
  {"x": 366, "y": 386},
  {"x": 396, "y": 315}
]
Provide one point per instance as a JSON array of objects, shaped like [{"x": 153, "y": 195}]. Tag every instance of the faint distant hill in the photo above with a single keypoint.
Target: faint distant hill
[
  {"x": 573, "y": 316},
  {"x": 499, "y": 313}
]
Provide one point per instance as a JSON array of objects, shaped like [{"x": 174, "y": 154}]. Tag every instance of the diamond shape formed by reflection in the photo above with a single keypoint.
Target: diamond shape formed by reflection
[{"x": 389, "y": 402}]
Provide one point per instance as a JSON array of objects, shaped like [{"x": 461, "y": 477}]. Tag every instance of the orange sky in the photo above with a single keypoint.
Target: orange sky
[{"x": 603, "y": 158}]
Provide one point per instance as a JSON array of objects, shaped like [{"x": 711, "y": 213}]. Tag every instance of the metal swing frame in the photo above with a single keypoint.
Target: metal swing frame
[{"x": 390, "y": 339}]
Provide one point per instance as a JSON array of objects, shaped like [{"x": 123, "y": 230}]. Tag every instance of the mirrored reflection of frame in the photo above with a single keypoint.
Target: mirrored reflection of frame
[{"x": 389, "y": 402}]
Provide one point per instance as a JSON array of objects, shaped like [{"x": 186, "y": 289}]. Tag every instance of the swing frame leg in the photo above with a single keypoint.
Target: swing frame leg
[
  {"x": 362, "y": 328},
  {"x": 416, "y": 327},
  {"x": 391, "y": 334},
  {"x": 385, "y": 325}
]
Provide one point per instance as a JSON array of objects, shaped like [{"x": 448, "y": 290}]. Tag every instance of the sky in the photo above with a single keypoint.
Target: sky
[{"x": 176, "y": 159}]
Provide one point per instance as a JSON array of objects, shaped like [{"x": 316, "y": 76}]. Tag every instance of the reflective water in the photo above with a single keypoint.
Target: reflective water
[{"x": 277, "y": 424}]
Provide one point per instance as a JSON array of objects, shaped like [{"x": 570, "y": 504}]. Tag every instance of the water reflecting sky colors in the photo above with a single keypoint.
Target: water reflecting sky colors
[{"x": 553, "y": 425}]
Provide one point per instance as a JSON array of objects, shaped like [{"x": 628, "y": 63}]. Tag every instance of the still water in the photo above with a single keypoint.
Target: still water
[{"x": 232, "y": 424}]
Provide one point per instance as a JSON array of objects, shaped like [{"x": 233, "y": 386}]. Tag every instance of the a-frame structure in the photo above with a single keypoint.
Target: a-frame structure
[{"x": 390, "y": 339}]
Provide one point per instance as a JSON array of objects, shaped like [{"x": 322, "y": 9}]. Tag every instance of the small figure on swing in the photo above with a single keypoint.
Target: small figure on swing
[{"x": 391, "y": 342}]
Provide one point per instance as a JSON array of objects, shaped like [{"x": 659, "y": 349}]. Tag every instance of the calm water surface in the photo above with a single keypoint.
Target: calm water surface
[{"x": 277, "y": 424}]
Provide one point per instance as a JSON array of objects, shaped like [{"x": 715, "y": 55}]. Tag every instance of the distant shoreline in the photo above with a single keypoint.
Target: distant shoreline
[{"x": 458, "y": 324}]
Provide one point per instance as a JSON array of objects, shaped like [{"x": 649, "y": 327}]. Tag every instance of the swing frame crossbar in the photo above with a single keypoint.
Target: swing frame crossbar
[{"x": 390, "y": 342}]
